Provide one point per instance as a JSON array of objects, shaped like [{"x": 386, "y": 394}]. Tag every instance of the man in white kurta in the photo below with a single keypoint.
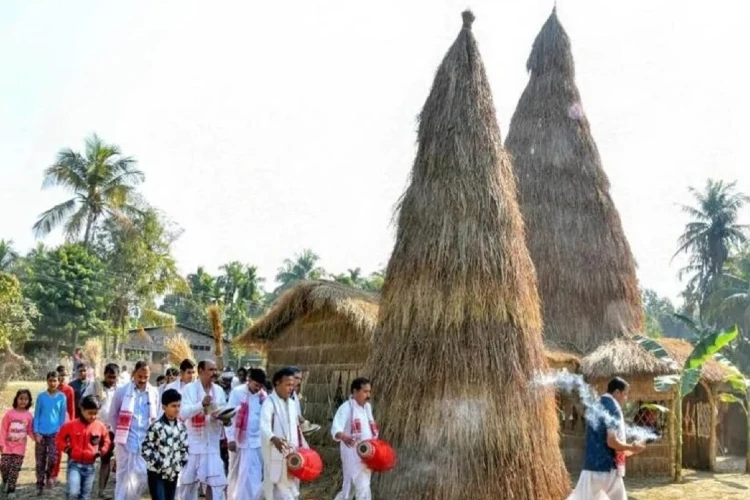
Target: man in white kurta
[
  {"x": 243, "y": 438},
  {"x": 134, "y": 408},
  {"x": 200, "y": 401},
  {"x": 280, "y": 434},
  {"x": 353, "y": 424}
]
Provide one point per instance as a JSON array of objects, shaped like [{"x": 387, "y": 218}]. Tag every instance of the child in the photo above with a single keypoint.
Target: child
[
  {"x": 165, "y": 448},
  {"x": 84, "y": 440},
  {"x": 49, "y": 415},
  {"x": 17, "y": 425}
]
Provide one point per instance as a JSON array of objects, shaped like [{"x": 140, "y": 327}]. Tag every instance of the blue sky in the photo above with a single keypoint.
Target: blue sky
[{"x": 265, "y": 129}]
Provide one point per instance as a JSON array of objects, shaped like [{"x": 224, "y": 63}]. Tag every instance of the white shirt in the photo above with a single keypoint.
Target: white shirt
[
  {"x": 342, "y": 422},
  {"x": 252, "y": 432},
  {"x": 178, "y": 385},
  {"x": 105, "y": 396},
  {"x": 206, "y": 441}
]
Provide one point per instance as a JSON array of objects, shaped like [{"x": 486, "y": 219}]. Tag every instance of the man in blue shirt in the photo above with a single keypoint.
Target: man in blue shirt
[{"x": 605, "y": 440}]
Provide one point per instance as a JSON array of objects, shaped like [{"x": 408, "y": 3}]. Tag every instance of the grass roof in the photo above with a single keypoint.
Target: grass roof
[
  {"x": 358, "y": 307},
  {"x": 585, "y": 268},
  {"x": 624, "y": 357},
  {"x": 459, "y": 330}
]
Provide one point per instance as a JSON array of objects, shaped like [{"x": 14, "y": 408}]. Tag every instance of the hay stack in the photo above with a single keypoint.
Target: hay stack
[
  {"x": 214, "y": 318},
  {"x": 460, "y": 311},
  {"x": 178, "y": 349},
  {"x": 93, "y": 353},
  {"x": 585, "y": 269}
]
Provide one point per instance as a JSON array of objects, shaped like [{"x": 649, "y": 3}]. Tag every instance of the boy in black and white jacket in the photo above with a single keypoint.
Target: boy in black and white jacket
[{"x": 165, "y": 449}]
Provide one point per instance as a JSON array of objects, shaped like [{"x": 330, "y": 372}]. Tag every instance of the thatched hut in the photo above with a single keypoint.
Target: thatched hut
[
  {"x": 460, "y": 311},
  {"x": 625, "y": 358},
  {"x": 585, "y": 269},
  {"x": 326, "y": 329}
]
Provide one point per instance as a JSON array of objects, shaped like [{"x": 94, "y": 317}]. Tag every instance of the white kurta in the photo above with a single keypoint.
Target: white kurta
[
  {"x": 356, "y": 474},
  {"x": 204, "y": 461},
  {"x": 246, "y": 464},
  {"x": 279, "y": 418}
]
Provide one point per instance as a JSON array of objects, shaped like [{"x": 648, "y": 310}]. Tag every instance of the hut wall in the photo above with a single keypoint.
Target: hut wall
[
  {"x": 732, "y": 430},
  {"x": 330, "y": 352},
  {"x": 658, "y": 458},
  {"x": 697, "y": 429}
]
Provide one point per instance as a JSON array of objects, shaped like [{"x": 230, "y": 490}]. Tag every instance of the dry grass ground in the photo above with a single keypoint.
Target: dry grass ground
[{"x": 697, "y": 486}]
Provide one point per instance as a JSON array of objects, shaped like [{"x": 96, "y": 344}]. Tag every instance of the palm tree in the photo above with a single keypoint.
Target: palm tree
[
  {"x": 352, "y": 277},
  {"x": 8, "y": 255},
  {"x": 304, "y": 267},
  {"x": 103, "y": 183},
  {"x": 711, "y": 234}
]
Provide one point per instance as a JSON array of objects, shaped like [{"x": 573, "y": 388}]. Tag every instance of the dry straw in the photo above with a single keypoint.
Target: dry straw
[
  {"x": 585, "y": 269},
  {"x": 178, "y": 349},
  {"x": 214, "y": 318},
  {"x": 459, "y": 336},
  {"x": 93, "y": 353}
]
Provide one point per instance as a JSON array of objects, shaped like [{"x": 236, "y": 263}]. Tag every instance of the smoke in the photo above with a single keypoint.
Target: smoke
[{"x": 596, "y": 415}]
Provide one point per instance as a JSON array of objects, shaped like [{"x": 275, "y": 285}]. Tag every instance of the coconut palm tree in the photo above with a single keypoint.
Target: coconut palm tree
[
  {"x": 303, "y": 267},
  {"x": 712, "y": 232},
  {"x": 8, "y": 255},
  {"x": 102, "y": 182}
]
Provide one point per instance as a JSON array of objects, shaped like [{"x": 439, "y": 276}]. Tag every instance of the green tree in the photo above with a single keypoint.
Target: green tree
[
  {"x": 16, "y": 312},
  {"x": 303, "y": 267},
  {"x": 8, "y": 255},
  {"x": 711, "y": 234},
  {"x": 102, "y": 182},
  {"x": 660, "y": 320},
  {"x": 352, "y": 277},
  {"x": 139, "y": 257},
  {"x": 686, "y": 377},
  {"x": 71, "y": 289},
  {"x": 241, "y": 294}
]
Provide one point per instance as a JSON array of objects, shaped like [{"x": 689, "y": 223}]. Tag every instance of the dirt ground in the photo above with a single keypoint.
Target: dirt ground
[{"x": 697, "y": 486}]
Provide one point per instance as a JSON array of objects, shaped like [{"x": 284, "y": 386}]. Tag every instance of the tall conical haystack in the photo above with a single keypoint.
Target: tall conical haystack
[
  {"x": 585, "y": 269},
  {"x": 459, "y": 335}
]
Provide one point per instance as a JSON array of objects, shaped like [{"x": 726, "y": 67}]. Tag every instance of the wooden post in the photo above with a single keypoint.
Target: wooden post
[{"x": 713, "y": 425}]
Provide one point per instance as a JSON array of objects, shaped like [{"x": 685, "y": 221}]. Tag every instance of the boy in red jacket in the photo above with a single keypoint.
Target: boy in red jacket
[
  {"x": 70, "y": 398},
  {"x": 84, "y": 440}
]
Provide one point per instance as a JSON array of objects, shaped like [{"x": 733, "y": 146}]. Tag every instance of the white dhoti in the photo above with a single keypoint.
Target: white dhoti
[
  {"x": 356, "y": 476},
  {"x": 245, "y": 474},
  {"x": 131, "y": 478},
  {"x": 202, "y": 469},
  {"x": 599, "y": 486},
  {"x": 356, "y": 487}
]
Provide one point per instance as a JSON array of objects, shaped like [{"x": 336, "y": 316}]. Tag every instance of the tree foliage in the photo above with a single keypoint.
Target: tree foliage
[
  {"x": 71, "y": 289},
  {"x": 16, "y": 312},
  {"x": 102, "y": 181}
]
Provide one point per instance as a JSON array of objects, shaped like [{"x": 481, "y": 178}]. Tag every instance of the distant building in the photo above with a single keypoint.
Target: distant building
[{"x": 148, "y": 344}]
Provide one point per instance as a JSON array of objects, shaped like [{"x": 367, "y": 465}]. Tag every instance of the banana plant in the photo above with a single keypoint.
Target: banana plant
[
  {"x": 684, "y": 378},
  {"x": 740, "y": 395}
]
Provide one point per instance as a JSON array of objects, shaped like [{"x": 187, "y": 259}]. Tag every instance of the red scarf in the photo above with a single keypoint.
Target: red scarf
[
  {"x": 199, "y": 420},
  {"x": 356, "y": 429},
  {"x": 243, "y": 415}
]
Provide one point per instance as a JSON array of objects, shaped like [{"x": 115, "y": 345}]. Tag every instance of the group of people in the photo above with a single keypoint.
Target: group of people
[{"x": 197, "y": 432}]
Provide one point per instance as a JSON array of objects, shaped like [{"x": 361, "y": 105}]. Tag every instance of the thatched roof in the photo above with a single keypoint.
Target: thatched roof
[
  {"x": 624, "y": 357},
  {"x": 585, "y": 268},
  {"x": 460, "y": 305},
  {"x": 561, "y": 358},
  {"x": 358, "y": 307}
]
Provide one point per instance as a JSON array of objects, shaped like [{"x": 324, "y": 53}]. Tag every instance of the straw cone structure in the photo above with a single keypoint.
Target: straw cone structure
[
  {"x": 178, "y": 349},
  {"x": 214, "y": 317},
  {"x": 585, "y": 269},
  {"x": 459, "y": 338}
]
